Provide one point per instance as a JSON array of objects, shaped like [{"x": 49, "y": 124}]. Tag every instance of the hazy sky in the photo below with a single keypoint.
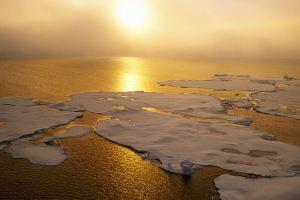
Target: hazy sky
[{"x": 185, "y": 28}]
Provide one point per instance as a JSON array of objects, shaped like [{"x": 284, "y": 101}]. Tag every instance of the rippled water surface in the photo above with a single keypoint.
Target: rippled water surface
[{"x": 99, "y": 169}]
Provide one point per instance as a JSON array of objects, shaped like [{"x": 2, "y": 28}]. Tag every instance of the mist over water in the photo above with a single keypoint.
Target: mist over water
[
  {"x": 57, "y": 78},
  {"x": 239, "y": 29}
]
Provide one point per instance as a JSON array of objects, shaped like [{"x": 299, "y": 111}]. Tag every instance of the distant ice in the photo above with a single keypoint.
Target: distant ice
[
  {"x": 239, "y": 188},
  {"x": 36, "y": 153},
  {"x": 176, "y": 141},
  {"x": 186, "y": 104},
  {"x": 21, "y": 119},
  {"x": 18, "y": 102},
  {"x": 284, "y": 102},
  {"x": 225, "y": 82}
]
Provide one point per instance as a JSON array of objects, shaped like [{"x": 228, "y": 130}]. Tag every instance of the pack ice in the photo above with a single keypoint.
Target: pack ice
[
  {"x": 111, "y": 103},
  {"x": 181, "y": 132},
  {"x": 225, "y": 82},
  {"x": 284, "y": 101},
  {"x": 171, "y": 136},
  {"x": 268, "y": 97}
]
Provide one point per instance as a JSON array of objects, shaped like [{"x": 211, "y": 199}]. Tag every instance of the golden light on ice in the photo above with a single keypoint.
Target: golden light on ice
[{"x": 132, "y": 14}]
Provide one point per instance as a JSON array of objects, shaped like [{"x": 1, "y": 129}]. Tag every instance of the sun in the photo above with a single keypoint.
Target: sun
[{"x": 132, "y": 14}]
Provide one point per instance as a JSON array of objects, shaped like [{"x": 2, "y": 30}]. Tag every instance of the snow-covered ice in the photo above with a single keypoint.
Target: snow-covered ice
[
  {"x": 225, "y": 82},
  {"x": 21, "y": 119},
  {"x": 284, "y": 102},
  {"x": 268, "y": 97},
  {"x": 43, "y": 153},
  {"x": 36, "y": 153},
  {"x": 160, "y": 127},
  {"x": 74, "y": 131},
  {"x": 180, "y": 143},
  {"x": 186, "y": 104},
  {"x": 239, "y": 188},
  {"x": 176, "y": 140}
]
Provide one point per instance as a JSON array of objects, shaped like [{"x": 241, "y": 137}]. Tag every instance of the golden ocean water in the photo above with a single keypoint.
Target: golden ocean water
[{"x": 99, "y": 169}]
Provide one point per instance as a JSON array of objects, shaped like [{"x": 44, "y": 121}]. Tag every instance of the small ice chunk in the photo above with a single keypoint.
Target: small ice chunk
[
  {"x": 239, "y": 103},
  {"x": 269, "y": 137},
  {"x": 150, "y": 156},
  {"x": 187, "y": 167},
  {"x": 240, "y": 188},
  {"x": 36, "y": 154}
]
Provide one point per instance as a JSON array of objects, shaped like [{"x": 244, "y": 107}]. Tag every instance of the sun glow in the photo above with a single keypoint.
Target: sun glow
[
  {"x": 131, "y": 79},
  {"x": 132, "y": 14}
]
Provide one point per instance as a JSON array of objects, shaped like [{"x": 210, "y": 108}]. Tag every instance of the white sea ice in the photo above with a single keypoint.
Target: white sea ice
[
  {"x": 239, "y": 188},
  {"x": 187, "y": 104},
  {"x": 20, "y": 120},
  {"x": 284, "y": 102},
  {"x": 225, "y": 82},
  {"x": 74, "y": 131},
  {"x": 177, "y": 141},
  {"x": 36, "y": 153},
  {"x": 45, "y": 154}
]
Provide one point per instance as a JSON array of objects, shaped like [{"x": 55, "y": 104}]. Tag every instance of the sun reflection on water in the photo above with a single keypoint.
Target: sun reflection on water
[
  {"x": 130, "y": 76},
  {"x": 130, "y": 82}
]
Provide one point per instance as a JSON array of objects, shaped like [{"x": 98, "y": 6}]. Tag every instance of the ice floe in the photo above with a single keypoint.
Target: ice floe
[
  {"x": 36, "y": 153},
  {"x": 239, "y": 188},
  {"x": 284, "y": 101},
  {"x": 74, "y": 131},
  {"x": 47, "y": 153},
  {"x": 20, "y": 119},
  {"x": 225, "y": 82},
  {"x": 267, "y": 98},
  {"x": 186, "y": 104},
  {"x": 176, "y": 141}
]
